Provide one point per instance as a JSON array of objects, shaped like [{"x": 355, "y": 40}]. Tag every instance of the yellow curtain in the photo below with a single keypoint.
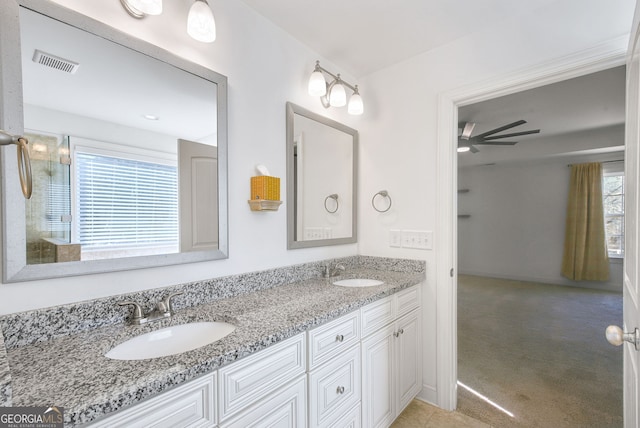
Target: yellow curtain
[{"x": 585, "y": 249}]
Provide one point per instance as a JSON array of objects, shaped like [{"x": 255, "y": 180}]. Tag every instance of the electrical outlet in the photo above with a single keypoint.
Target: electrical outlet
[{"x": 395, "y": 238}]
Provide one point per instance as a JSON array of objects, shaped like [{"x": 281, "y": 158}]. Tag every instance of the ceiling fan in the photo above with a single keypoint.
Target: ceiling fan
[{"x": 468, "y": 143}]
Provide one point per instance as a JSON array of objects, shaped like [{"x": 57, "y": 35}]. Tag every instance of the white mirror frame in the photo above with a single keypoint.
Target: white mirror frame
[
  {"x": 14, "y": 260},
  {"x": 292, "y": 243}
]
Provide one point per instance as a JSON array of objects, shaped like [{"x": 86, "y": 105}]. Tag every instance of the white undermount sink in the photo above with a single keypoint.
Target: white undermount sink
[
  {"x": 358, "y": 282},
  {"x": 170, "y": 341}
]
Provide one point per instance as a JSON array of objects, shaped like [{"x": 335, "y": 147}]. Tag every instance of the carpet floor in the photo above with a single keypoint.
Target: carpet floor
[{"x": 539, "y": 352}]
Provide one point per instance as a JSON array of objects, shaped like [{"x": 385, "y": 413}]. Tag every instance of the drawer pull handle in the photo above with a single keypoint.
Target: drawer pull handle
[
  {"x": 339, "y": 338},
  {"x": 340, "y": 390}
]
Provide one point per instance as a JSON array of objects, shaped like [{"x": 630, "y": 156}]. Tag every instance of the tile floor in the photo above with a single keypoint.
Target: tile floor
[{"x": 419, "y": 414}]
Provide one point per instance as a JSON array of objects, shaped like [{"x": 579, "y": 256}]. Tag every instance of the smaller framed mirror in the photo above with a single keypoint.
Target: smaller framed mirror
[{"x": 322, "y": 160}]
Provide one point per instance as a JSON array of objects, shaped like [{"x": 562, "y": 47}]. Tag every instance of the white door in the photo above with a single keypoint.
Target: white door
[
  {"x": 631, "y": 292},
  {"x": 198, "y": 195}
]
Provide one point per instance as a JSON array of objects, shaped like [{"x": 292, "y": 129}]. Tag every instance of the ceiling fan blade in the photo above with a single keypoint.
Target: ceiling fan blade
[
  {"x": 468, "y": 129},
  {"x": 473, "y": 149},
  {"x": 515, "y": 134},
  {"x": 502, "y": 128},
  {"x": 496, "y": 143}
]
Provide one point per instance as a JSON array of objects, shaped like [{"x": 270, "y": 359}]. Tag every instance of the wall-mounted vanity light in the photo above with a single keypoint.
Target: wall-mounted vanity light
[
  {"x": 201, "y": 24},
  {"x": 334, "y": 93}
]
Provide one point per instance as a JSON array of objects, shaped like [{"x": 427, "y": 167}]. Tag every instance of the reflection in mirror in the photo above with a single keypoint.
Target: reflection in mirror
[
  {"x": 128, "y": 151},
  {"x": 321, "y": 180}
]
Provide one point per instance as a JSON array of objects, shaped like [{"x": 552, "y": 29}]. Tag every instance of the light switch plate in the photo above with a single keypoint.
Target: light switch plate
[{"x": 418, "y": 239}]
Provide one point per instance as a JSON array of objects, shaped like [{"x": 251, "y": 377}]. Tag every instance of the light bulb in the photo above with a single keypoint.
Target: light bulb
[
  {"x": 317, "y": 84},
  {"x": 200, "y": 23},
  {"x": 338, "y": 96},
  {"x": 463, "y": 149},
  {"x": 356, "y": 106},
  {"x": 148, "y": 7}
]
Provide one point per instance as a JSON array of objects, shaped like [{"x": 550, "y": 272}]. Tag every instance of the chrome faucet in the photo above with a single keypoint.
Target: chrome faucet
[
  {"x": 163, "y": 310},
  {"x": 328, "y": 272}
]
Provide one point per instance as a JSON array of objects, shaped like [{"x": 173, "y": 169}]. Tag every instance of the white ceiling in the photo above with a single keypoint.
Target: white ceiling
[{"x": 363, "y": 36}]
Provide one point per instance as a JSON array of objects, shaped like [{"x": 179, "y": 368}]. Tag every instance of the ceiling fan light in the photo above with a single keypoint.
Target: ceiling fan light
[
  {"x": 201, "y": 24},
  {"x": 463, "y": 149},
  {"x": 148, "y": 7},
  {"x": 338, "y": 96},
  {"x": 356, "y": 106},
  {"x": 317, "y": 84}
]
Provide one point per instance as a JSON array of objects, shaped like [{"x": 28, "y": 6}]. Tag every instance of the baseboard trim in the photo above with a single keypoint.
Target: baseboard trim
[{"x": 429, "y": 394}]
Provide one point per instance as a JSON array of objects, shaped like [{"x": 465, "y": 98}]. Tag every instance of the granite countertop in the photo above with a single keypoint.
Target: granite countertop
[{"x": 73, "y": 373}]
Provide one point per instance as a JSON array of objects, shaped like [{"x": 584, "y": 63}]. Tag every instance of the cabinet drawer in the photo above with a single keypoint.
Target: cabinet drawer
[
  {"x": 332, "y": 338},
  {"x": 334, "y": 388},
  {"x": 250, "y": 379},
  {"x": 284, "y": 408},
  {"x": 407, "y": 300},
  {"x": 376, "y": 315},
  {"x": 189, "y": 405}
]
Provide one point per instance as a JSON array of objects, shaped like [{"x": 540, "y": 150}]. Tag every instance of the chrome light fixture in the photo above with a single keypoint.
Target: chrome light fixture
[
  {"x": 334, "y": 93},
  {"x": 201, "y": 24}
]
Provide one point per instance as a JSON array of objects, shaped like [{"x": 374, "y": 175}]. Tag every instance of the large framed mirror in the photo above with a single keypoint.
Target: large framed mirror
[
  {"x": 128, "y": 147},
  {"x": 322, "y": 162}
]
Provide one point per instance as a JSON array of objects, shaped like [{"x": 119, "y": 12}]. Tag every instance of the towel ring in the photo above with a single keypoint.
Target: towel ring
[
  {"x": 384, "y": 194},
  {"x": 333, "y": 196},
  {"x": 24, "y": 161}
]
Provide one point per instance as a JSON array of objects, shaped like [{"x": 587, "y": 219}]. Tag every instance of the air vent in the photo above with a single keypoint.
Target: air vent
[{"x": 56, "y": 62}]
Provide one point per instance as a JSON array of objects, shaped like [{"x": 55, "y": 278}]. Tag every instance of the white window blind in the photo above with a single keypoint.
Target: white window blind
[
  {"x": 613, "y": 202},
  {"x": 125, "y": 203}
]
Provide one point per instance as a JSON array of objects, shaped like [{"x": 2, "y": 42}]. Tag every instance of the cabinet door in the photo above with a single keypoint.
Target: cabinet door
[
  {"x": 408, "y": 359},
  {"x": 378, "y": 378},
  {"x": 189, "y": 405},
  {"x": 334, "y": 388},
  {"x": 285, "y": 408},
  {"x": 257, "y": 376}
]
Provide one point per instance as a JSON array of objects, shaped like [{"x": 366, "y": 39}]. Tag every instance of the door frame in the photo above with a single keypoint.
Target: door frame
[{"x": 606, "y": 55}]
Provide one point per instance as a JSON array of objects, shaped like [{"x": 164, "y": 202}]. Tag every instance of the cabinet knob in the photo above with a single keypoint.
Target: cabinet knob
[
  {"x": 339, "y": 338},
  {"x": 340, "y": 390}
]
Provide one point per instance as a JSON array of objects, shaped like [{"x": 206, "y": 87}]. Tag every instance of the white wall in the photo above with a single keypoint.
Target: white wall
[
  {"x": 399, "y": 133},
  {"x": 517, "y": 224},
  {"x": 266, "y": 68}
]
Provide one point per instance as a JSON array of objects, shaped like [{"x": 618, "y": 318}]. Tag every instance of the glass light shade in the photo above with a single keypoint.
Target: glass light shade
[
  {"x": 338, "y": 96},
  {"x": 463, "y": 149},
  {"x": 200, "y": 23},
  {"x": 317, "y": 84},
  {"x": 148, "y": 7},
  {"x": 356, "y": 106}
]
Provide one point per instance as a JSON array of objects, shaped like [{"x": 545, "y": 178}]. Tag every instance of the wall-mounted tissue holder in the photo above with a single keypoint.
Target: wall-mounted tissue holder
[{"x": 265, "y": 191}]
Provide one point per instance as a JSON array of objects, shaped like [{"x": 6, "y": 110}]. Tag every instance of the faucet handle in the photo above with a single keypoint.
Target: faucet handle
[
  {"x": 137, "y": 309},
  {"x": 165, "y": 304}
]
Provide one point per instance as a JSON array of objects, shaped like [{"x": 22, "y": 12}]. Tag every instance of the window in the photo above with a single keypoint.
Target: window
[
  {"x": 124, "y": 205},
  {"x": 613, "y": 202}
]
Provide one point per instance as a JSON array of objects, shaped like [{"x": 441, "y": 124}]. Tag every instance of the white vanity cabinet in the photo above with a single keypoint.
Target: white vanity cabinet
[
  {"x": 192, "y": 404},
  {"x": 266, "y": 389},
  {"x": 334, "y": 372},
  {"x": 360, "y": 370},
  {"x": 391, "y": 356}
]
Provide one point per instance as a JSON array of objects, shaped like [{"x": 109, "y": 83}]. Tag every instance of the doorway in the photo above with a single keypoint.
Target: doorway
[{"x": 599, "y": 59}]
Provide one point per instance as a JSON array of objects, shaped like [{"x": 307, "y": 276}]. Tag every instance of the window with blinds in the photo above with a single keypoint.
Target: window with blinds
[
  {"x": 613, "y": 203},
  {"x": 125, "y": 203}
]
